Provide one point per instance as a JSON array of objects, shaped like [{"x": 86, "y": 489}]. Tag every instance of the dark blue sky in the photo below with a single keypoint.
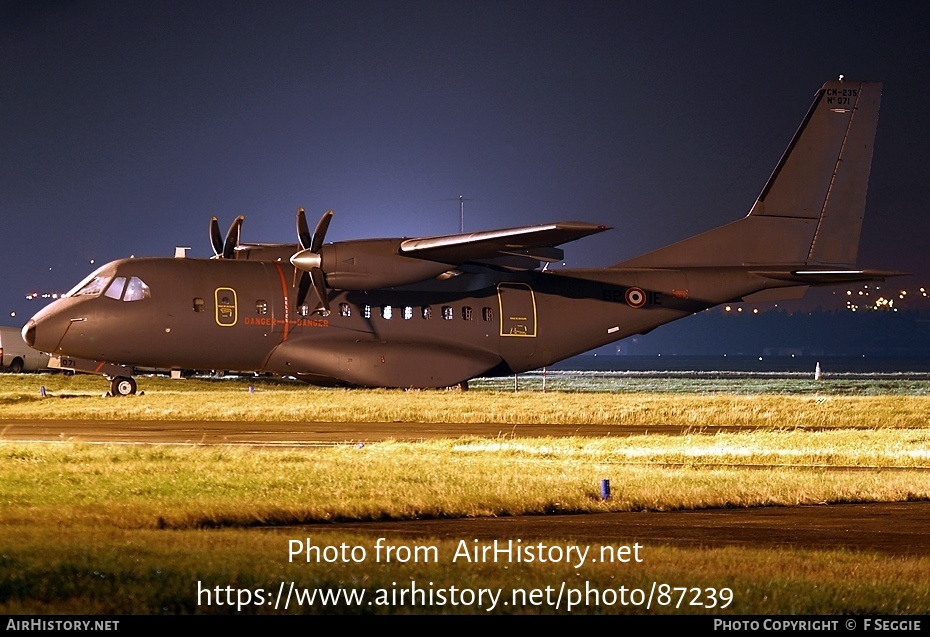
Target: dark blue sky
[{"x": 124, "y": 126}]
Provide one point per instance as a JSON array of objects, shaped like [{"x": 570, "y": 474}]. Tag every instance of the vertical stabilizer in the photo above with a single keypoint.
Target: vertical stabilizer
[
  {"x": 824, "y": 174},
  {"x": 810, "y": 210}
]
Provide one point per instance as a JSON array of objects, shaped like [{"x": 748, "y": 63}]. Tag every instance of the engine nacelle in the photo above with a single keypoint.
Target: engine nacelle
[{"x": 372, "y": 264}]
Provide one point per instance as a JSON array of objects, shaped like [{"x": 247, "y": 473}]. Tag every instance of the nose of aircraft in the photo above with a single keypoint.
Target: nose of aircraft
[{"x": 45, "y": 330}]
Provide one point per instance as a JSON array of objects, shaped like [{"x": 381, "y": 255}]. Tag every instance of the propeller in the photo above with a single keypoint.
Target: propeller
[
  {"x": 225, "y": 249},
  {"x": 310, "y": 260}
]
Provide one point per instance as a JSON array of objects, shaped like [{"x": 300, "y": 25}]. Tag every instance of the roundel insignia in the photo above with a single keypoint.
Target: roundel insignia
[{"x": 635, "y": 297}]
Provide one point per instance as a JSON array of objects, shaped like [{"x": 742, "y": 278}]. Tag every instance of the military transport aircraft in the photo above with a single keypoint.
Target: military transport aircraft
[{"x": 438, "y": 311}]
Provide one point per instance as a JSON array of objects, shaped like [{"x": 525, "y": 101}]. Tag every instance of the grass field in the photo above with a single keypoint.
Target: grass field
[
  {"x": 600, "y": 399},
  {"x": 148, "y": 529}
]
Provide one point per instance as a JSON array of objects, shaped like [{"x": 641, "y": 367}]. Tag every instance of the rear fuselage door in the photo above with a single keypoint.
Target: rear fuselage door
[{"x": 518, "y": 319}]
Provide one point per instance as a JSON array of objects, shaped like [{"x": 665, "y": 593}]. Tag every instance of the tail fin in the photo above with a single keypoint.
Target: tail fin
[{"x": 810, "y": 211}]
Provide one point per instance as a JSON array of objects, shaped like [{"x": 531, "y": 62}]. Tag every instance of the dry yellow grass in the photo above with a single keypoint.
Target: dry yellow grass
[
  {"x": 124, "y": 529},
  {"x": 182, "y": 486},
  {"x": 74, "y": 397}
]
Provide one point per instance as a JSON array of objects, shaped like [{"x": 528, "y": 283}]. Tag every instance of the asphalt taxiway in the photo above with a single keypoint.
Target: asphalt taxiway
[{"x": 302, "y": 433}]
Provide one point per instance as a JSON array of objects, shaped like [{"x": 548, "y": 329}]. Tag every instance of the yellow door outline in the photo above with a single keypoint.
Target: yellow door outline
[
  {"x": 227, "y": 307},
  {"x": 518, "y": 317}
]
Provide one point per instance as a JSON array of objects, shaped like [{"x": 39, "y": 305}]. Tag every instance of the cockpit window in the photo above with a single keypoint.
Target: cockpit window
[
  {"x": 91, "y": 288},
  {"x": 116, "y": 288},
  {"x": 120, "y": 287},
  {"x": 136, "y": 290}
]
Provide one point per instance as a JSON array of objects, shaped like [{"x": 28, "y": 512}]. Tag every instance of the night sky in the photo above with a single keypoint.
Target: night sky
[{"x": 124, "y": 126}]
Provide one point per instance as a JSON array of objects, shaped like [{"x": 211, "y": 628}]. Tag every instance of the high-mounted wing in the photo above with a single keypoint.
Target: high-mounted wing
[
  {"x": 371, "y": 264},
  {"x": 535, "y": 242}
]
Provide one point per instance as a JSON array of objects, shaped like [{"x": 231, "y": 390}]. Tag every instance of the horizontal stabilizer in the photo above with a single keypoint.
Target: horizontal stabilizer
[{"x": 829, "y": 277}]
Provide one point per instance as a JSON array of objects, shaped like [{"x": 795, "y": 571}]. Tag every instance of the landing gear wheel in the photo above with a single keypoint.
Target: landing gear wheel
[{"x": 122, "y": 386}]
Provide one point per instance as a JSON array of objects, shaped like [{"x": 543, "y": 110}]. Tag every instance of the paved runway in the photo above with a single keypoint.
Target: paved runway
[
  {"x": 901, "y": 528},
  {"x": 300, "y": 433},
  {"x": 898, "y": 529}
]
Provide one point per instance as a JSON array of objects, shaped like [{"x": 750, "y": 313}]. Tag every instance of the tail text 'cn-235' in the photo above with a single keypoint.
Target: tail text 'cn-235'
[{"x": 438, "y": 311}]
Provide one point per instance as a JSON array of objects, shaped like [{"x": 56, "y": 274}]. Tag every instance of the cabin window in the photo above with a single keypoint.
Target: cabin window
[
  {"x": 345, "y": 309},
  {"x": 198, "y": 304},
  {"x": 261, "y": 307},
  {"x": 366, "y": 311},
  {"x": 487, "y": 314},
  {"x": 136, "y": 290},
  {"x": 408, "y": 312},
  {"x": 427, "y": 312},
  {"x": 447, "y": 312},
  {"x": 387, "y": 312},
  {"x": 115, "y": 291},
  {"x": 467, "y": 314}
]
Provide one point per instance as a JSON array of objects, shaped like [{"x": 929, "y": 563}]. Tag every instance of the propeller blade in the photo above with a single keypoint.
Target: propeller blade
[
  {"x": 316, "y": 277},
  {"x": 303, "y": 230},
  {"x": 310, "y": 260},
  {"x": 319, "y": 233},
  {"x": 232, "y": 238},
  {"x": 215, "y": 237},
  {"x": 304, "y": 287}
]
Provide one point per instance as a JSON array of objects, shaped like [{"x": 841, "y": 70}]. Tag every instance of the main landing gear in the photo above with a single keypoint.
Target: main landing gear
[{"x": 122, "y": 386}]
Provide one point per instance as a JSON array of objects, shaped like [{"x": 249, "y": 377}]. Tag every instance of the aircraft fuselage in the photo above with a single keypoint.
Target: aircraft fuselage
[
  {"x": 437, "y": 311},
  {"x": 240, "y": 315}
]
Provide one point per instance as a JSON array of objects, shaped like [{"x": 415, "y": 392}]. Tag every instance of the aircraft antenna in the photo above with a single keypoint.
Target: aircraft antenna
[
  {"x": 462, "y": 214},
  {"x": 461, "y": 199}
]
